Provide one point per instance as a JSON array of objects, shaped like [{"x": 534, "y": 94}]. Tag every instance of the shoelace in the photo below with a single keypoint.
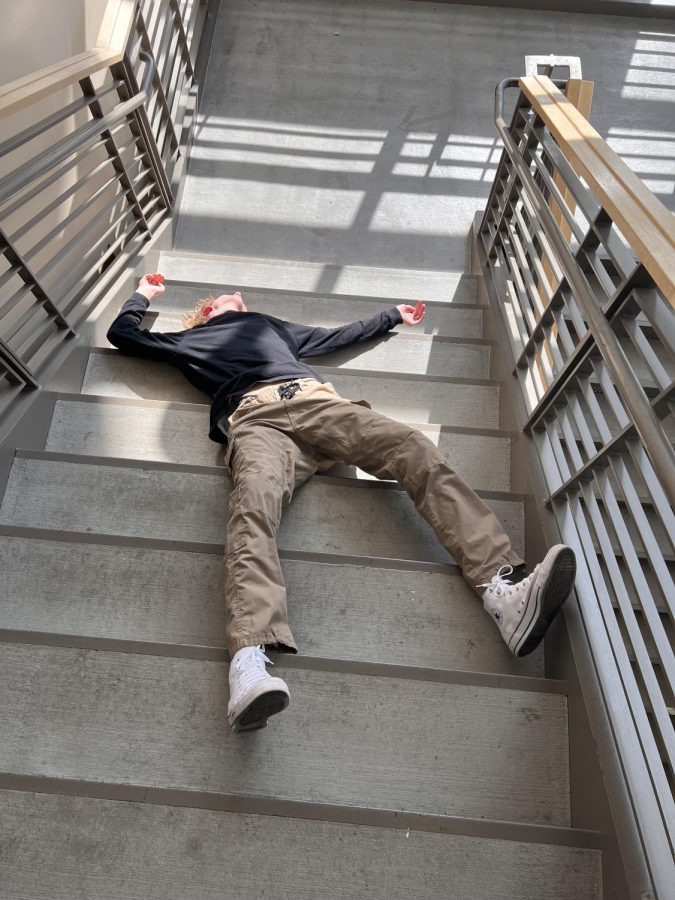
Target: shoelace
[
  {"x": 251, "y": 666},
  {"x": 499, "y": 581},
  {"x": 501, "y": 585}
]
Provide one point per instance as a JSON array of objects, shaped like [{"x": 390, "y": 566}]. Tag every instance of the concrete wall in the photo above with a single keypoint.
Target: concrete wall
[{"x": 36, "y": 33}]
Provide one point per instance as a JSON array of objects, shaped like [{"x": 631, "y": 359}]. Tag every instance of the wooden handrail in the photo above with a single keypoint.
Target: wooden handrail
[
  {"x": 116, "y": 25},
  {"x": 110, "y": 45},
  {"x": 646, "y": 223}
]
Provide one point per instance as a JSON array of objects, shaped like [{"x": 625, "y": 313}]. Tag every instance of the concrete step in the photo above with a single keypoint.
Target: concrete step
[
  {"x": 452, "y": 319},
  {"x": 175, "y": 433},
  {"x": 467, "y": 403},
  {"x": 159, "y": 844},
  {"x": 168, "y": 601},
  {"x": 437, "y": 748},
  {"x": 399, "y": 284},
  {"x": 327, "y": 515}
]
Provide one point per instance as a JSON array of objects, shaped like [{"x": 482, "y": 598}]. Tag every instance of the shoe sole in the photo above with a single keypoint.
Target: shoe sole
[
  {"x": 548, "y": 598},
  {"x": 259, "y": 710}
]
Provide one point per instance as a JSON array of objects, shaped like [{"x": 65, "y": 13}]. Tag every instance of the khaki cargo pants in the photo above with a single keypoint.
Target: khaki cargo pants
[{"x": 277, "y": 444}]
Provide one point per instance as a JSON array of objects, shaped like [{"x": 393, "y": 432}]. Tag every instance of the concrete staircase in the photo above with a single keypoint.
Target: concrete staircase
[{"x": 418, "y": 757}]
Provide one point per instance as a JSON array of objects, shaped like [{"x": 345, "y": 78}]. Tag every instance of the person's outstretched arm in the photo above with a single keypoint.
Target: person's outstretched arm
[
  {"x": 126, "y": 334},
  {"x": 319, "y": 341}
]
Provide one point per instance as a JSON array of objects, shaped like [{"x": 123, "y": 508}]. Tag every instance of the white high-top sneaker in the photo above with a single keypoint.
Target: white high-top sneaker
[
  {"x": 523, "y": 609},
  {"x": 254, "y": 695}
]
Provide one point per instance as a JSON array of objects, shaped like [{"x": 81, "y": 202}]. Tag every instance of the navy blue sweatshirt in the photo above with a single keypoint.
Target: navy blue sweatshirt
[{"x": 235, "y": 350}]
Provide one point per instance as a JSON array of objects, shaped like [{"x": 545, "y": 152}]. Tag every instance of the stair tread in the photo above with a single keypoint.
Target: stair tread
[
  {"x": 284, "y": 274},
  {"x": 181, "y": 436},
  {"x": 337, "y": 611},
  {"x": 322, "y": 310},
  {"x": 366, "y": 518},
  {"x": 391, "y": 864},
  {"x": 405, "y": 354},
  {"x": 446, "y": 749},
  {"x": 462, "y": 402}
]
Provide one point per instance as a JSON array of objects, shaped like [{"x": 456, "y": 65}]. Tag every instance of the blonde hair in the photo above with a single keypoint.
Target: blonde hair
[{"x": 197, "y": 317}]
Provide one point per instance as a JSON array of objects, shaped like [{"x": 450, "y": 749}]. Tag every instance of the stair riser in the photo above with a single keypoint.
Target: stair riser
[
  {"x": 171, "y": 598},
  {"x": 401, "y": 285},
  {"x": 407, "y": 400},
  {"x": 324, "y": 516},
  {"x": 180, "y": 436},
  {"x": 438, "y": 748}
]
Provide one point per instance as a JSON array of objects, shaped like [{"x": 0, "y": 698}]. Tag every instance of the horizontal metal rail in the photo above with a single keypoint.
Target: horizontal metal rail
[
  {"x": 87, "y": 184},
  {"x": 61, "y": 115},
  {"x": 591, "y": 329}
]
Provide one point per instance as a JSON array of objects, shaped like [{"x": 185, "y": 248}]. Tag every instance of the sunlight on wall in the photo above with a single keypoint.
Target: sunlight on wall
[
  {"x": 655, "y": 79},
  {"x": 651, "y": 43},
  {"x": 421, "y": 214},
  {"x": 317, "y": 177},
  {"x": 287, "y": 204},
  {"x": 440, "y": 170},
  {"x": 651, "y": 77},
  {"x": 252, "y": 156},
  {"x": 664, "y": 95},
  {"x": 650, "y": 154},
  {"x": 270, "y": 146},
  {"x": 231, "y": 141},
  {"x": 285, "y": 128}
]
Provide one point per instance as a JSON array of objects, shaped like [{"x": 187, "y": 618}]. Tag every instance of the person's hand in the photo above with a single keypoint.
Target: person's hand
[
  {"x": 151, "y": 285},
  {"x": 412, "y": 315}
]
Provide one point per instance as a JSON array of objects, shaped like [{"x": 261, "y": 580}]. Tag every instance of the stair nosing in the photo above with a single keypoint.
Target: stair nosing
[
  {"x": 122, "y": 462},
  {"x": 363, "y": 373},
  {"x": 327, "y": 295},
  {"x": 344, "y": 666},
  {"x": 180, "y": 405},
  {"x": 32, "y": 532},
  {"x": 177, "y": 253},
  {"x": 434, "y": 338},
  {"x": 406, "y": 336}
]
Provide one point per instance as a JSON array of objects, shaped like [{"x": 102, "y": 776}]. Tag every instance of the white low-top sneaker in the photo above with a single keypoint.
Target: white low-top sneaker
[
  {"x": 524, "y": 607},
  {"x": 254, "y": 695}
]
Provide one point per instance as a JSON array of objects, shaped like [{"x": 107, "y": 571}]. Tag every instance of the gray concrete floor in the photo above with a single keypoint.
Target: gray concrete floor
[{"x": 362, "y": 133}]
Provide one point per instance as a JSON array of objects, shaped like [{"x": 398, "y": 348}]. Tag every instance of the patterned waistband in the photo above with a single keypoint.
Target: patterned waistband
[{"x": 277, "y": 390}]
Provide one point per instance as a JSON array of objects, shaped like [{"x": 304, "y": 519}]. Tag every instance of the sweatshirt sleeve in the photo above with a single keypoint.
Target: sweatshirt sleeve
[
  {"x": 318, "y": 341},
  {"x": 126, "y": 335}
]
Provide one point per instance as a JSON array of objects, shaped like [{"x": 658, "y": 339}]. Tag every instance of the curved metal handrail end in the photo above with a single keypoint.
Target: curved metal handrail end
[
  {"x": 499, "y": 96},
  {"x": 150, "y": 69}
]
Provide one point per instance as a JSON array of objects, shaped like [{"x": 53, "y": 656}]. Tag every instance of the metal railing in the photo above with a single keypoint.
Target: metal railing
[
  {"x": 579, "y": 262},
  {"x": 90, "y": 180}
]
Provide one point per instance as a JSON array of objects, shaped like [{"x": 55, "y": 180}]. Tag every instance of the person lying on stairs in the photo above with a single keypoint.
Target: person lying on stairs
[{"x": 281, "y": 423}]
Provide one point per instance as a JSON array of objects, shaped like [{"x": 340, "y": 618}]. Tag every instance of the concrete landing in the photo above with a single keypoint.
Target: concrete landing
[{"x": 363, "y": 134}]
